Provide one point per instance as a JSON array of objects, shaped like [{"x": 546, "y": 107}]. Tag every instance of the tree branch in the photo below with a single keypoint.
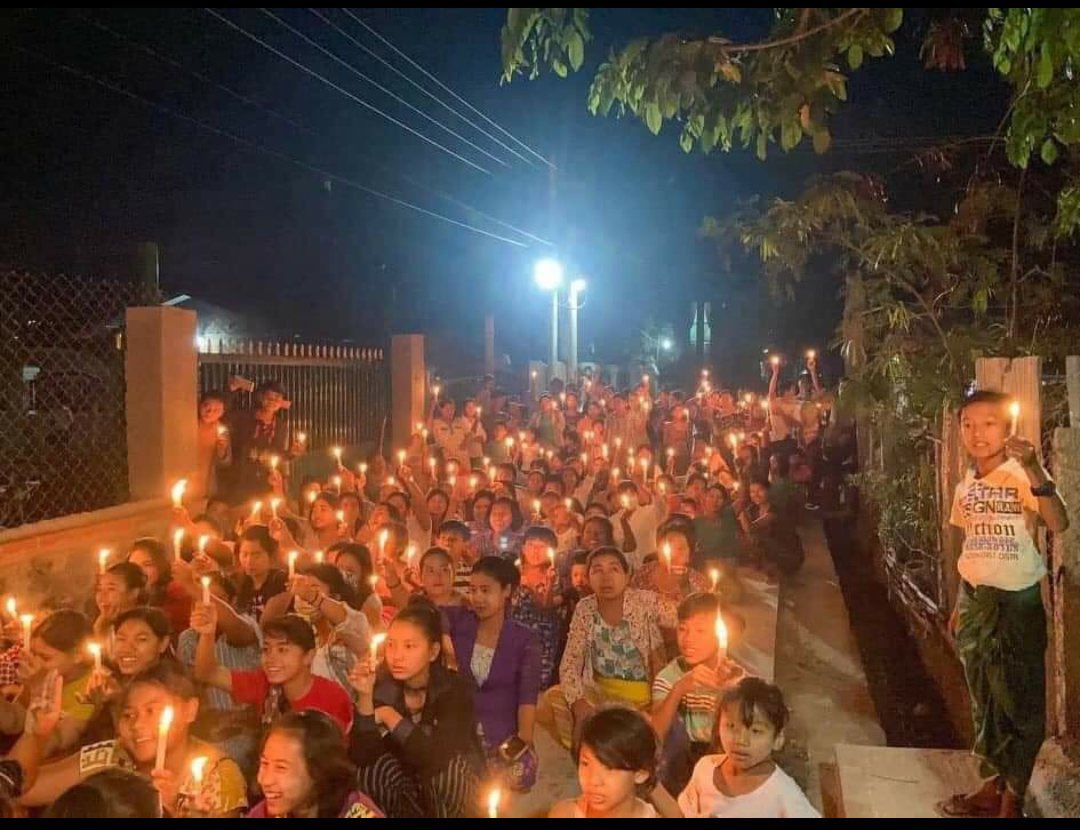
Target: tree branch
[
  {"x": 1015, "y": 275},
  {"x": 786, "y": 41}
]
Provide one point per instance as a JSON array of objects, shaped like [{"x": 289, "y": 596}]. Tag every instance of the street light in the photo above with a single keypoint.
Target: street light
[
  {"x": 576, "y": 287},
  {"x": 548, "y": 274}
]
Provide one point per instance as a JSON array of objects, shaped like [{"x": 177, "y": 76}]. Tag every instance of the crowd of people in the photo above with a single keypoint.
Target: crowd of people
[{"x": 388, "y": 641}]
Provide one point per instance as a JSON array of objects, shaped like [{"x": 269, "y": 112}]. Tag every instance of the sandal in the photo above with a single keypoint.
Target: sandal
[{"x": 962, "y": 805}]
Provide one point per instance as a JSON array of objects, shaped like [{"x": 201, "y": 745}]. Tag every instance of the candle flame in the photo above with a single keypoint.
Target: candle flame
[
  {"x": 166, "y": 719},
  {"x": 178, "y": 492},
  {"x": 721, "y": 633},
  {"x": 198, "y": 765},
  {"x": 494, "y": 797}
]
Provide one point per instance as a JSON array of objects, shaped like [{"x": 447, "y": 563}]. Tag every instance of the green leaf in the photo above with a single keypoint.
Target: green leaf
[
  {"x": 686, "y": 141},
  {"x": 1049, "y": 151},
  {"x": 762, "y": 146},
  {"x": 855, "y": 56},
  {"x": 559, "y": 67},
  {"x": 575, "y": 50},
  {"x": 790, "y": 135},
  {"x": 1044, "y": 71},
  {"x": 653, "y": 118},
  {"x": 822, "y": 140},
  {"x": 893, "y": 19}
]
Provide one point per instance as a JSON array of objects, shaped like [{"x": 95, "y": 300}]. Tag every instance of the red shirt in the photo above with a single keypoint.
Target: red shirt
[
  {"x": 324, "y": 695},
  {"x": 177, "y": 607}
]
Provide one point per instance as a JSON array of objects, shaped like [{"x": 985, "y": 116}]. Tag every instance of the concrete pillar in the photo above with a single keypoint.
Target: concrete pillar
[
  {"x": 407, "y": 386},
  {"x": 489, "y": 345},
  {"x": 161, "y": 369}
]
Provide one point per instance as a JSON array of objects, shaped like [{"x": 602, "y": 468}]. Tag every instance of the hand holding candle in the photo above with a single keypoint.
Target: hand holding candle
[
  {"x": 95, "y": 652},
  {"x": 177, "y": 542},
  {"x": 205, "y": 581},
  {"x": 293, "y": 556},
  {"x": 27, "y": 621},
  {"x": 376, "y": 641}
]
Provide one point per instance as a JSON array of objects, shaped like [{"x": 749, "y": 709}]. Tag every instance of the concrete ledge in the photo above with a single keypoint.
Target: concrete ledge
[
  {"x": 34, "y": 532},
  {"x": 902, "y": 782},
  {"x": 1054, "y": 791}
]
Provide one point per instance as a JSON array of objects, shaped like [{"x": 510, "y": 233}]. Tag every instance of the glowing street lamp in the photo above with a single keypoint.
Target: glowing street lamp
[{"x": 548, "y": 274}]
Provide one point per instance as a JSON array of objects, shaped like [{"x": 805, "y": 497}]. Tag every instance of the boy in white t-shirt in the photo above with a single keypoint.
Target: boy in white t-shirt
[
  {"x": 744, "y": 781},
  {"x": 998, "y": 621}
]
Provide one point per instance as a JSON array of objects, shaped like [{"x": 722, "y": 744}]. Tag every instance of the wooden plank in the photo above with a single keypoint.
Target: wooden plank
[{"x": 953, "y": 463}]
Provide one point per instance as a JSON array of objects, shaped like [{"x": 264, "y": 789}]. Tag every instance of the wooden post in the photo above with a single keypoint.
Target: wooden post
[
  {"x": 1072, "y": 381},
  {"x": 953, "y": 463}
]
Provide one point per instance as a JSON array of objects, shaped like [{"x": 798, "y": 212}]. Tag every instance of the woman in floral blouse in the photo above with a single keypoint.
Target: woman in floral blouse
[{"x": 614, "y": 647}]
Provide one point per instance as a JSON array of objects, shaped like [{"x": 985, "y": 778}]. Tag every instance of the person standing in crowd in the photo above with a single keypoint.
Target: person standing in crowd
[
  {"x": 998, "y": 621},
  {"x": 256, "y": 435},
  {"x": 214, "y": 447},
  {"x": 262, "y": 578}
]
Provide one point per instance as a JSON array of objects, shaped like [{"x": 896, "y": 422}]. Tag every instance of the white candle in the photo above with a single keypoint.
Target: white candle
[
  {"x": 27, "y": 626},
  {"x": 811, "y": 355},
  {"x": 256, "y": 510},
  {"x": 205, "y": 590},
  {"x": 178, "y": 493},
  {"x": 301, "y": 438},
  {"x": 337, "y": 455},
  {"x": 337, "y": 484},
  {"x": 163, "y": 736},
  {"x": 536, "y": 507},
  {"x": 714, "y": 575},
  {"x": 775, "y": 360},
  {"x": 384, "y": 535},
  {"x": 177, "y": 542},
  {"x": 103, "y": 560},
  {"x": 734, "y": 441},
  {"x": 376, "y": 641},
  {"x": 401, "y": 456},
  {"x": 319, "y": 557},
  {"x": 410, "y": 555},
  {"x": 1014, "y": 416},
  {"x": 493, "y": 803},
  {"x": 203, "y": 541},
  {"x": 198, "y": 767},
  {"x": 274, "y": 503},
  {"x": 95, "y": 650},
  {"x": 363, "y": 468},
  {"x": 721, "y": 637},
  {"x": 551, "y": 556},
  {"x": 473, "y": 481},
  {"x": 667, "y": 554},
  {"x": 293, "y": 556},
  {"x": 10, "y": 607}
]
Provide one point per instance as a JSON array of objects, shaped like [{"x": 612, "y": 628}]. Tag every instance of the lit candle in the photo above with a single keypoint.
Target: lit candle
[
  {"x": 27, "y": 625},
  {"x": 337, "y": 484},
  {"x": 103, "y": 560},
  {"x": 205, "y": 581},
  {"x": 748, "y": 398},
  {"x": 486, "y": 462},
  {"x": 163, "y": 735},
  {"x": 198, "y": 767},
  {"x": 301, "y": 438},
  {"x": 493, "y": 803},
  {"x": 311, "y": 496},
  {"x": 451, "y": 480},
  {"x": 618, "y": 444},
  {"x": 551, "y": 555},
  {"x": 95, "y": 650},
  {"x": 178, "y": 493},
  {"x": 319, "y": 557},
  {"x": 667, "y": 554},
  {"x": 436, "y": 389},
  {"x": 373, "y": 581},
  {"x": 765, "y": 405},
  {"x": 704, "y": 373},
  {"x": 536, "y": 507},
  {"x": 177, "y": 542},
  {"x": 721, "y": 637},
  {"x": 604, "y": 451},
  {"x": 811, "y": 355},
  {"x": 376, "y": 641},
  {"x": 362, "y": 468},
  {"x": 714, "y": 575},
  {"x": 222, "y": 431},
  {"x": 509, "y": 443},
  {"x": 492, "y": 473},
  {"x": 410, "y": 555},
  {"x": 645, "y": 379},
  {"x": 569, "y": 504},
  {"x": 274, "y": 461},
  {"x": 734, "y": 440},
  {"x": 419, "y": 426},
  {"x": 337, "y": 454},
  {"x": 584, "y": 458},
  {"x": 473, "y": 481},
  {"x": 204, "y": 540},
  {"x": 615, "y": 473},
  {"x": 401, "y": 456},
  {"x": 625, "y": 499},
  {"x": 340, "y": 516},
  {"x": 274, "y": 503},
  {"x": 11, "y": 607},
  {"x": 532, "y": 374},
  {"x": 391, "y": 481},
  {"x": 1014, "y": 415},
  {"x": 479, "y": 412},
  {"x": 256, "y": 508},
  {"x": 775, "y": 360},
  {"x": 293, "y": 556},
  {"x": 384, "y": 535}
]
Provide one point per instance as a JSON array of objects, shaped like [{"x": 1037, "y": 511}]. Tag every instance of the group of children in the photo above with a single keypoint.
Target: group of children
[{"x": 388, "y": 641}]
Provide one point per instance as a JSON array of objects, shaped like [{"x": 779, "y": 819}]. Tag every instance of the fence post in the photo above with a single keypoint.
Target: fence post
[
  {"x": 161, "y": 375},
  {"x": 407, "y": 386}
]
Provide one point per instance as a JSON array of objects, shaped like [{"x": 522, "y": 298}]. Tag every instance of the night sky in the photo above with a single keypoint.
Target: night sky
[{"x": 89, "y": 173}]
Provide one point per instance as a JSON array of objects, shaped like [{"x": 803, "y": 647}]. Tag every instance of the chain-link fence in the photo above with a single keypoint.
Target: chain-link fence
[{"x": 63, "y": 444}]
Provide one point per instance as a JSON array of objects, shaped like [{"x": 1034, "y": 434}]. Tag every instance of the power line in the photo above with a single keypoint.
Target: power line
[
  {"x": 367, "y": 50},
  {"x": 308, "y": 131},
  {"x": 382, "y": 88},
  {"x": 260, "y": 148},
  {"x": 136, "y": 44},
  {"x": 428, "y": 75},
  {"x": 343, "y": 91}
]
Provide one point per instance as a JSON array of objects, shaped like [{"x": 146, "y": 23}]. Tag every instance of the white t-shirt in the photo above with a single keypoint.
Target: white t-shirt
[
  {"x": 778, "y": 797},
  {"x": 998, "y": 514}
]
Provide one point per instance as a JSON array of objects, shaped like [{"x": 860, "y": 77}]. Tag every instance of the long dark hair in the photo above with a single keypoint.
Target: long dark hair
[
  {"x": 333, "y": 579},
  {"x": 155, "y": 594},
  {"x": 426, "y": 616},
  {"x": 111, "y": 793},
  {"x": 333, "y": 776}
]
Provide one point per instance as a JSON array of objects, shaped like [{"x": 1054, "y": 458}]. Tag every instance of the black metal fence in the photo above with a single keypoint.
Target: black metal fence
[
  {"x": 339, "y": 394},
  {"x": 63, "y": 441}
]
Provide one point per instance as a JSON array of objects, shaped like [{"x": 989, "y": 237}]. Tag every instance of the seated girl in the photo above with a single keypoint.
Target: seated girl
[
  {"x": 218, "y": 791},
  {"x": 501, "y": 658},
  {"x": 414, "y": 739},
  {"x": 614, "y": 647},
  {"x": 744, "y": 781},
  {"x": 304, "y": 772},
  {"x": 162, "y": 591},
  {"x": 616, "y": 762}
]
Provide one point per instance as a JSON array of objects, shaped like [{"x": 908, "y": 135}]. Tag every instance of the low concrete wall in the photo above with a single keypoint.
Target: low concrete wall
[{"x": 53, "y": 563}]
